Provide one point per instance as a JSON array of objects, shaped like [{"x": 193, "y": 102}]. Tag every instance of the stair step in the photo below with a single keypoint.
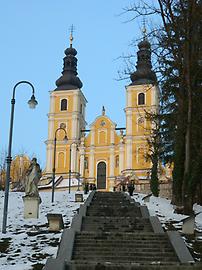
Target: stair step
[
  {"x": 119, "y": 258},
  {"x": 82, "y": 265},
  {"x": 124, "y": 241},
  {"x": 126, "y": 249},
  {"x": 128, "y": 253},
  {"x": 116, "y": 236}
]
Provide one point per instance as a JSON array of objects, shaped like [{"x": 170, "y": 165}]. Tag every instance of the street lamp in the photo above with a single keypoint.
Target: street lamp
[
  {"x": 70, "y": 161},
  {"x": 32, "y": 104},
  {"x": 54, "y": 158}
]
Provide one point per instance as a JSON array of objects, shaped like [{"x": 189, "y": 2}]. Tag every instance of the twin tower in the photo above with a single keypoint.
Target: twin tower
[{"x": 104, "y": 154}]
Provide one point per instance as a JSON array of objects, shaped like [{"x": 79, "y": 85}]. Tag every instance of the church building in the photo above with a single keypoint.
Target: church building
[{"x": 103, "y": 154}]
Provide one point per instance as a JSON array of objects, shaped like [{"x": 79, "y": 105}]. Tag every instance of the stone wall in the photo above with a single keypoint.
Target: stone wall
[{"x": 165, "y": 189}]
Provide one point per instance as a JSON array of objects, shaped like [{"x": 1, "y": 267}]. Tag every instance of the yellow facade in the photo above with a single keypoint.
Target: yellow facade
[{"x": 104, "y": 153}]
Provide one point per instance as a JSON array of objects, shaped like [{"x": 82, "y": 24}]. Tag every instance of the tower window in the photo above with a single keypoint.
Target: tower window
[
  {"x": 64, "y": 104},
  {"x": 141, "y": 99}
]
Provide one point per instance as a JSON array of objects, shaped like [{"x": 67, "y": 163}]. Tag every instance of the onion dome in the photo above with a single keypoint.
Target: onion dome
[
  {"x": 69, "y": 79},
  {"x": 144, "y": 44},
  {"x": 144, "y": 73}
]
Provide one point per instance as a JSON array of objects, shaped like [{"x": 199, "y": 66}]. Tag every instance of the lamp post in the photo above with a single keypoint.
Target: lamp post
[
  {"x": 32, "y": 104},
  {"x": 54, "y": 158},
  {"x": 70, "y": 161}
]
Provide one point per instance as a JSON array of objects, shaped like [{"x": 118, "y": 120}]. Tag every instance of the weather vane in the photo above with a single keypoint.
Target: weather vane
[{"x": 72, "y": 28}]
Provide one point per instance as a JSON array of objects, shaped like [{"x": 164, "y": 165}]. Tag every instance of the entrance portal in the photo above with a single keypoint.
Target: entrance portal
[{"x": 101, "y": 175}]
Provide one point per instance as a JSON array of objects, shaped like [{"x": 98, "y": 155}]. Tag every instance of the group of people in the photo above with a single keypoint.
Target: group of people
[
  {"x": 88, "y": 187},
  {"x": 130, "y": 187}
]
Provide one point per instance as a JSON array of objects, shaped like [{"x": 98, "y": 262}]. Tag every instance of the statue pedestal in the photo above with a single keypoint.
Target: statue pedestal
[
  {"x": 78, "y": 197},
  {"x": 111, "y": 183},
  {"x": 31, "y": 206}
]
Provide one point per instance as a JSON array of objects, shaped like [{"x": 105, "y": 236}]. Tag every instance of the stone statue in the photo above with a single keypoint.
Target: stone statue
[{"x": 32, "y": 178}]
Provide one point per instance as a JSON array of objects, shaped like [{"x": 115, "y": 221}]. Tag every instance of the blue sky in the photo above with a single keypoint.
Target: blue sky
[{"x": 34, "y": 35}]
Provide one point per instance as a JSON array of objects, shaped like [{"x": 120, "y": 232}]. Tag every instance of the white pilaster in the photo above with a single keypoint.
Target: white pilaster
[
  {"x": 81, "y": 170},
  {"x": 76, "y": 116},
  {"x": 74, "y": 127},
  {"x": 76, "y": 102},
  {"x": 51, "y": 118},
  {"x": 129, "y": 123},
  {"x": 49, "y": 158},
  {"x": 50, "y": 128},
  {"x": 121, "y": 157},
  {"x": 82, "y": 157},
  {"x": 129, "y": 153},
  {"x": 91, "y": 163},
  {"x": 112, "y": 136},
  {"x": 111, "y": 162},
  {"x": 74, "y": 158},
  {"x": 52, "y": 103},
  {"x": 93, "y": 136},
  {"x": 129, "y": 98}
]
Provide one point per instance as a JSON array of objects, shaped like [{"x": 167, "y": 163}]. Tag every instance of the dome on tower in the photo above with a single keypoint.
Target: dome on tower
[
  {"x": 144, "y": 73},
  {"x": 144, "y": 44},
  {"x": 69, "y": 79}
]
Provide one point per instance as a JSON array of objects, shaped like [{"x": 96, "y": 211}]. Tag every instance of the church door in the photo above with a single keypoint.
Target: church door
[{"x": 101, "y": 175}]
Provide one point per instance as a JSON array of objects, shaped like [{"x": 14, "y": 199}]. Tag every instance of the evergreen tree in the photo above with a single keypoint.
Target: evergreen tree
[
  {"x": 154, "y": 153},
  {"x": 180, "y": 38},
  {"x": 179, "y": 54}
]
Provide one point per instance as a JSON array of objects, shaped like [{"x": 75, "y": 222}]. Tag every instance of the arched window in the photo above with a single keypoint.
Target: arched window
[
  {"x": 141, "y": 99},
  {"x": 63, "y": 105}
]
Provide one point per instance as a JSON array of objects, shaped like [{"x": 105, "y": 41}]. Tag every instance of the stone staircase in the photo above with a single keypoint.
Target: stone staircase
[
  {"x": 112, "y": 231},
  {"x": 123, "y": 247}
]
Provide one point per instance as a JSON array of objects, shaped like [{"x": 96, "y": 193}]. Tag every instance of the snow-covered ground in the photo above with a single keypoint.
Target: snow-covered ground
[
  {"x": 164, "y": 210},
  {"x": 23, "y": 252}
]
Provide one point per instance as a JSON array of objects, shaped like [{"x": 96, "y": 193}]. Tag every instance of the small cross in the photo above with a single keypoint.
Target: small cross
[
  {"x": 72, "y": 28},
  {"x": 144, "y": 29}
]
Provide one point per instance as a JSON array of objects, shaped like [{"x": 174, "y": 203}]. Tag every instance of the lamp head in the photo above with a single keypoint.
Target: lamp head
[{"x": 32, "y": 102}]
